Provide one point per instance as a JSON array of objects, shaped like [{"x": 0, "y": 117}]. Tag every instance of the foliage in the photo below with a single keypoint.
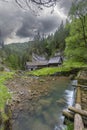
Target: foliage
[
  {"x": 1, "y": 68},
  {"x": 60, "y": 36},
  {"x": 76, "y": 42},
  {"x": 14, "y": 55},
  {"x": 74, "y": 64},
  {"x": 78, "y": 9},
  {"x": 54, "y": 42}
]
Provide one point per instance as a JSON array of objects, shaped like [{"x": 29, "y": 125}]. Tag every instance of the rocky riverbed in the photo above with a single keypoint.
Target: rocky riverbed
[
  {"x": 29, "y": 96},
  {"x": 26, "y": 91}
]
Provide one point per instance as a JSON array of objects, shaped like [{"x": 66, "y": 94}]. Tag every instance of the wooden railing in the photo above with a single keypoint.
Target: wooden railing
[{"x": 76, "y": 114}]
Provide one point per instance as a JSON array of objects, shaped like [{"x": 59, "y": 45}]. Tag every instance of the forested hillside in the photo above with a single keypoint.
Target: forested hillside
[
  {"x": 70, "y": 38},
  {"x": 15, "y": 55}
]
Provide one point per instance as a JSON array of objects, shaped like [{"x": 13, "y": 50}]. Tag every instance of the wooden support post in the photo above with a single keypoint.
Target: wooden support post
[
  {"x": 78, "y": 122},
  {"x": 78, "y": 97}
]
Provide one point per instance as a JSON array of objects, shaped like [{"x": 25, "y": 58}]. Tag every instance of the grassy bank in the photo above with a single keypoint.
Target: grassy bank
[
  {"x": 67, "y": 67},
  {"x": 4, "y": 93},
  {"x": 49, "y": 71}
]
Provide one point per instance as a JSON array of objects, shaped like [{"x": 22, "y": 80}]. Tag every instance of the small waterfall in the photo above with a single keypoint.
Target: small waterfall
[{"x": 69, "y": 97}]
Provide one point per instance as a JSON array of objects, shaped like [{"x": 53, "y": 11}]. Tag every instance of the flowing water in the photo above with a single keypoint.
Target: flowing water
[{"x": 49, "y": 111}]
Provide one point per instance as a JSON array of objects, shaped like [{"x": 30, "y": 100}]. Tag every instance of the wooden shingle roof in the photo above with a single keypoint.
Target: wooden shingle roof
[{"x": 55, "y": 60}]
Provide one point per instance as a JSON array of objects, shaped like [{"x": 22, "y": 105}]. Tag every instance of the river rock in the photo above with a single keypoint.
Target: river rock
[
  {"x": 44, "y": 103},
  {"x": 38, "y": 110},
  {"x": 48, "y": 119},
  {"x": 61, "y": 101},
  {"x": 29, "y": 91},
  {"x": 38, "y": 125}
]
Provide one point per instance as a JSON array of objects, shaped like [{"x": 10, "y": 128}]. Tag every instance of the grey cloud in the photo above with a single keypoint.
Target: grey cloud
[
  {"x": 15, "y": 21},
  {"x": 29, "y": 23},
  {"x": 49, "y": 24},
  {"x": 24, "y": 32},
  {"x": 44, "y": 25},
  {"x": 9, "y": 19},
  {"x": 65, "y": 5}
]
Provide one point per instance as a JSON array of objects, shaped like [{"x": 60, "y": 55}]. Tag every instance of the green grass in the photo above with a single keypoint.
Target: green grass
[
  {"x": 4, "y": 94},
  {"x": 49, "y": 71},
  {"x": 70, "y": 126}
]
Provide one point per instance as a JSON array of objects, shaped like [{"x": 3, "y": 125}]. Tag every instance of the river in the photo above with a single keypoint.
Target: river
[{"x": 48, "y": 114}]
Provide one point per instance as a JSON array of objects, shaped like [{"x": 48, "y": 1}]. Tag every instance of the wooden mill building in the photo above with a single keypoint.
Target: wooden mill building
[{"x": 40, "y": 62}]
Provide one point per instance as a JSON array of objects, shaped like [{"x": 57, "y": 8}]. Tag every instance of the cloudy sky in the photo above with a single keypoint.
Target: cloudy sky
[{"x": 18, "y": 25}]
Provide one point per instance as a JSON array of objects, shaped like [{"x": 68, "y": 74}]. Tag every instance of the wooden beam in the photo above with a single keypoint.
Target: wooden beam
[
  {"x": 78, "y": 96},
  {"x": 79, "y": 111},
  {"x": 68, "y": 115},
  {"x": 79, "y": 85}
]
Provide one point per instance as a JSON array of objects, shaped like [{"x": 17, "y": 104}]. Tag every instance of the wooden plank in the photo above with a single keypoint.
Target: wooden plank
[{"x": 79, "y": 85}]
